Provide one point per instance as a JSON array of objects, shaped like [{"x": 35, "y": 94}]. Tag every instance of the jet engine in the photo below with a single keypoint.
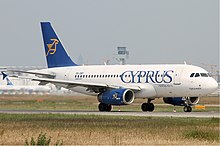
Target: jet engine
[
  {"x": 116, "y": 97},
  {"x": 181, "y": 101}
]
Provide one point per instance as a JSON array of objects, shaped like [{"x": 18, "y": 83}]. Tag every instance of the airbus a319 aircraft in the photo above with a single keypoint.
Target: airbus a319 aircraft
[{"x": 177, "y": 84}]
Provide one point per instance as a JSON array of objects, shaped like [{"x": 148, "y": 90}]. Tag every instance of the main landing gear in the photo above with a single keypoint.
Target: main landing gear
[
  {"x": 187, "y": 108},
  {"x": 105, "y": 107},
  {"x": 147, "y": 106}
]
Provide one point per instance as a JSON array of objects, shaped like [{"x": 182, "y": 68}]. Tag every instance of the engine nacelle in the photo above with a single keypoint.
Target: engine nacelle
[
  {"x": 117, "y": 97},
  {"x": 181, "y": 101}
]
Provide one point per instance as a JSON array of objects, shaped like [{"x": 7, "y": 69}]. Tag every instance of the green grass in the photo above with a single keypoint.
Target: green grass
[
  {"x": 99, "y": 130},
  {"x": 103, "y": 130},
  {"x": 202, "y": 135}
]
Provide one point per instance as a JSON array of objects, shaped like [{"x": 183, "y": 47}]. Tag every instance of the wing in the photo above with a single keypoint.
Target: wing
[
  {"x": 33, "y": 72},
  {"x": 93, "y": 87}
]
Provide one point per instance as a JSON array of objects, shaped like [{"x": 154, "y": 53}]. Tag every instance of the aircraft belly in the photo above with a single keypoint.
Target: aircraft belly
[
  {"x": 147, "y": 91},
  {"x": 83, "y": 90}
]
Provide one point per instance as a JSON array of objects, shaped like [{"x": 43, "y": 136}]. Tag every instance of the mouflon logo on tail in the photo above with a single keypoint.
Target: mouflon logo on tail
[{"x": 52, "y": 48}]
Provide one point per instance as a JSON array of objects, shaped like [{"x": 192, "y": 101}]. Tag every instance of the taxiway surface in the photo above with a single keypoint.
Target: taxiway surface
[{"x": 118, "y": 113}]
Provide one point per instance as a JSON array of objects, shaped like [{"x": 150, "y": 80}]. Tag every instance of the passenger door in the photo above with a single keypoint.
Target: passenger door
[{"x": 177, "y": 76}]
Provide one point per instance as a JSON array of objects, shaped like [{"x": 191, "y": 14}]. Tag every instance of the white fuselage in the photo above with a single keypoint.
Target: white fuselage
[{"x": 153, "y": 80}]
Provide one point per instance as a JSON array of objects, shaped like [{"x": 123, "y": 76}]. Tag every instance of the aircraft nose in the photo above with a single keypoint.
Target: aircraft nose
[{"x": 213, "y": 86}]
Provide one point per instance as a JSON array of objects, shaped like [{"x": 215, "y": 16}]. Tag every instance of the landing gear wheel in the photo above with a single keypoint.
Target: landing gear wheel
[
  {"x": 109, "y": 107},
  {"x": 144, "y": 107},
  {"x": 102, "y": 107},
  {"x": 187, "y": 108},
  {"x": 147, "y": 107},
  {"x": 151, "y": 107},
  {"x": 105, "y": 107}
]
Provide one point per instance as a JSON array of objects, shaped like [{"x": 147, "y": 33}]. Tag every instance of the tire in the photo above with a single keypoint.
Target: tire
[
  {"x": 102, "y": 107},
  {"x": 109, "y": 107},
  {"x": 187, "y": 109},
  {"x": 150, "y": 107},
  {"x": 144, "y": 107},
  {"x": 105, "y": 107}
]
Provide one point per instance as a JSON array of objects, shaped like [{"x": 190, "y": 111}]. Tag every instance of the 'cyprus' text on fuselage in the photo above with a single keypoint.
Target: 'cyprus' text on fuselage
[{"x": 147, "y": 76}]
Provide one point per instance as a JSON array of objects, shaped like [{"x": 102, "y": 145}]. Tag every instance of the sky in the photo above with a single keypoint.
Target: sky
[{"x": 154, "y": 31}]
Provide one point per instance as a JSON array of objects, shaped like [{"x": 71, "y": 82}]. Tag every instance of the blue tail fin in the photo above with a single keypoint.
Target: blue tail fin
[
  {"x": 55, "y": 52},
  {"x": 5, "y": 76}
]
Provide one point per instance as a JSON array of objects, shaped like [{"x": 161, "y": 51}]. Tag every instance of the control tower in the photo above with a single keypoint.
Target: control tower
[{"x": 122, "y": 55}]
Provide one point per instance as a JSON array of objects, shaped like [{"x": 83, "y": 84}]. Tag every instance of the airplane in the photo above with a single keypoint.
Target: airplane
[
  {"x": 10, "y": 88},
  {"x": 5, "y": 77},
  {"x": 177, "y": 84}
]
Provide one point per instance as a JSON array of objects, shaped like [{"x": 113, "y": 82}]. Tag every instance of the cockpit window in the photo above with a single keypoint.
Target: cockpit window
[
  {"x": 197, "y": 75},
  {"x": 192, "y": 75},
  {"x": 204, "y": 75},
  {"x": 200, "y": 75}
]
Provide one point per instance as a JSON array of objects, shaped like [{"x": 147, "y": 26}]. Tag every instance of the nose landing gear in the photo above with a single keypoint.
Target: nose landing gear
[{"x": 187, "y": 109}]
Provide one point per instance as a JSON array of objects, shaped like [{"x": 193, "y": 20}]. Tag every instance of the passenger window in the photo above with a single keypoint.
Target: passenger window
[
  {"x": 197, "y": 75},
  {"x": 192, "y": 75}
]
